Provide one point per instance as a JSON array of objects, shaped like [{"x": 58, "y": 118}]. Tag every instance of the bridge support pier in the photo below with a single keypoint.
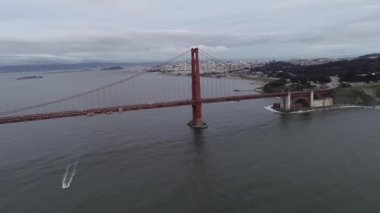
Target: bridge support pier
[
  {"x": 197, "y": 121},
  {"x": 312, "y": 98},
  {"x": 288, "y": 102}
]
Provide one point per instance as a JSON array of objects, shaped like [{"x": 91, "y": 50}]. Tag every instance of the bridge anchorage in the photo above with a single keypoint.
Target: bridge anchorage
[{"x": 295, "y": 101}]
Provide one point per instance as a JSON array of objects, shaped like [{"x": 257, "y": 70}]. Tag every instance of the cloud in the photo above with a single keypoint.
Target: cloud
[{"x": 124, "y": 30}]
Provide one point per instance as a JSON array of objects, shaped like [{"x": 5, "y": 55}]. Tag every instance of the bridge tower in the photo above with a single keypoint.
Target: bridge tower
[{"x": 197, "y": 121}]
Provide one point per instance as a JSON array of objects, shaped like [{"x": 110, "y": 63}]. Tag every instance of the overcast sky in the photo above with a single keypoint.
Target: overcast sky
[{"x": 71, "y": 31}]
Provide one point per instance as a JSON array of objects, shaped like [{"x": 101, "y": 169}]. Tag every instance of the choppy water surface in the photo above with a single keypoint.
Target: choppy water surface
[{"x": 248, "y": 160}]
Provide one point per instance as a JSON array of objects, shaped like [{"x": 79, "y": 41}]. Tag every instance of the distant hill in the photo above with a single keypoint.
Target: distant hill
[
  {"x": 68, "y": 67},
  {"x": 364, "y": 68},
  {"x": 370, "y": 56}
]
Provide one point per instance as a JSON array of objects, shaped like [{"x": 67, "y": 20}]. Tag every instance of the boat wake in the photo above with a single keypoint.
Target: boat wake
[
  {"x": 69, "y": 175},
  {"x": 270, "y": 109}
]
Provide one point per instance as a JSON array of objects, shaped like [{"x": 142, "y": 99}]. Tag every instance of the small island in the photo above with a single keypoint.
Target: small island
[
  {"x": 113, "y": 68},
  {"x": 30, "y": 77}
]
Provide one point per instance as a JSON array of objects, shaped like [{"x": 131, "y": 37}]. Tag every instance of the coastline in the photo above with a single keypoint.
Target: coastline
[
  {"x": 359, "y": 95},
  {"x": 256, "y": 80},
  {"x": 365, "y": 95},
  {"x": 334, "y": 107}
]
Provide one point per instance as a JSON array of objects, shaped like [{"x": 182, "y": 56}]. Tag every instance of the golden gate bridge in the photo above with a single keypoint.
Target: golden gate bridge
[{"x": 142, "y": 90}]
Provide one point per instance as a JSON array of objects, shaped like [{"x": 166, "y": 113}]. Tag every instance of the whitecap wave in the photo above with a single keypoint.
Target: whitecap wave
[{"x": 270, "y": 109}]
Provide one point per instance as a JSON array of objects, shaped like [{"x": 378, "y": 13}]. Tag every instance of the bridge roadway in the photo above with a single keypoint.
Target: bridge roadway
[{"x": 116, "y": 109}]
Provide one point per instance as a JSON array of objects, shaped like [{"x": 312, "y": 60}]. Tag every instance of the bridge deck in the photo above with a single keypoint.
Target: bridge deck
[{"x": 116, "y": 109}]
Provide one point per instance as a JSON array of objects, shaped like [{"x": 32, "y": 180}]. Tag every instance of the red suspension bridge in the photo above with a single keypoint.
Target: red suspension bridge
[{"x": 146, "y": 90}]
